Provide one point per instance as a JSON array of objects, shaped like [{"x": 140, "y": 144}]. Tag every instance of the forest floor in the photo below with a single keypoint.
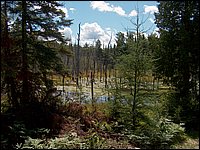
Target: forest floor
[
  {"x": 189, "y": 143},
  {"x": 109, "y": 140}
]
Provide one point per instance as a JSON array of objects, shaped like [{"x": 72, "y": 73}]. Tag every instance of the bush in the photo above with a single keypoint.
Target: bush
[
  {"x": 69, "y": 141},
  {"x": 18, "y": 133},
  {"x": 94, "y": 141},
  {"x": 28, "y": 120},
  {"x": 184, "y": 110},
  {"x": 158, "y": 135},
  {"x": 74, "y": 109},
  {"x": 66, "y": 142}
]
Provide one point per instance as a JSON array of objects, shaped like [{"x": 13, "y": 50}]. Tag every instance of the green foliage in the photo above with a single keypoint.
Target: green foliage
[
  {"x": 31, "y": 65},
  {"x": 18, "y": 133},
  {"x": 137, "y": 59},
  {"x": 121, "y": 48},
  {"x": 177, "y": 59},
  {"x": 120, "y": 113},
  {"x": 68, "y": 141},
  {"x": 179, "y": 112},
  {"x": 154, "y": 130},
  {"x": 94, "y": 141},
  {"x": 133, "y": 65},
  {"x": 103, "y": 126},
  {"x": 4, "y": 104},
  {"x": 40, "y": 55},
  {"x": 158, "y": 135}
]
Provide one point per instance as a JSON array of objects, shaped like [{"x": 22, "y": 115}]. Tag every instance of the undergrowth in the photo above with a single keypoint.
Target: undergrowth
[{"x": 84, "y": 128}]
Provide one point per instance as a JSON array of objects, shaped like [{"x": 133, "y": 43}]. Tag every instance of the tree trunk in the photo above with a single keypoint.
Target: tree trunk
[
  {"x": 77, "y": 60},
  {"x": 25, "y": 88},
  {"x": 92, "y": 88},
  {"x": 105, "y": 72},
  {"x": 92, "y": 92},
  {"x": 63, "y": 82},
  {"x": 11, "y": 84},
  {"x": 134, "y": 100},
  {"x": 101, "y": 72}
]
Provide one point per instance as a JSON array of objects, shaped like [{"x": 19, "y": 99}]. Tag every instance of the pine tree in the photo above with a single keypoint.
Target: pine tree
[
  {"x": 36, "y": 24},
  {"x": 179, "y": 54},
  {"x": 134, "y": 62}
]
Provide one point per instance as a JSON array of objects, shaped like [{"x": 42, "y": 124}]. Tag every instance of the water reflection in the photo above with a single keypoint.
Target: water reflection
[{"x": 85, "y": 97}]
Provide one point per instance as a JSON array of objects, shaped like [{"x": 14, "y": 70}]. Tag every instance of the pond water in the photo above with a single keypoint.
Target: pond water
[{"x": 85, "y": 97}]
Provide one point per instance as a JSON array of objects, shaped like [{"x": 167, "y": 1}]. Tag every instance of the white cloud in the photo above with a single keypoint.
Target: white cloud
[
  {"x": 64, "y": 10},
  {"x": 106, "y": 7},
  {"x": 119, "y": 11},
  {"x": 133, "y": 13},
  {"x": 90, "y": 32},
  {"x": 72, "y": 9},
  {"x": 101, "y": 6},
  {"x": 150, "y": 9},
  {"x": 67, "y": 32}
]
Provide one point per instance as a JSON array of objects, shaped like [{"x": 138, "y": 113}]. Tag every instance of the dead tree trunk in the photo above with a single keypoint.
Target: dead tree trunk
[{"x": 77, "y": 60}]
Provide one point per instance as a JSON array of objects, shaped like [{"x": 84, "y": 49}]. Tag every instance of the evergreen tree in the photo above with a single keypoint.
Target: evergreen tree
[
  {"x": 154, "y": 45},
  {"x": 36, "y": 23},
  {"x": 121, "y": 46},
  {"x": 178, "y": 57}
]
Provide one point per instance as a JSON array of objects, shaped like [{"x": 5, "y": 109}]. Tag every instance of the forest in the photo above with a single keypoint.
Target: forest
[{"x": 141, "y": 93}]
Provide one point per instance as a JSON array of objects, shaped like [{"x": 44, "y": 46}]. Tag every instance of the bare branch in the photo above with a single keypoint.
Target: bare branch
[
  {"x": 145, "y": 19},
  {"x": 148, "y": 29},
  {"x": 110, "y": 40}
]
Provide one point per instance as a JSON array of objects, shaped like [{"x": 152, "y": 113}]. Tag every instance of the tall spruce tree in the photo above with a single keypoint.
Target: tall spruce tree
[
  {"x": 133, "y": 62},
  {"x": 178, "y": 57},
  {"x": 35, "y": 24}
]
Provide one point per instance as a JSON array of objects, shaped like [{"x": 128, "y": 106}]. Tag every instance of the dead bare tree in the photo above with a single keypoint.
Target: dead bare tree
[{"x": 78, "y": 58}]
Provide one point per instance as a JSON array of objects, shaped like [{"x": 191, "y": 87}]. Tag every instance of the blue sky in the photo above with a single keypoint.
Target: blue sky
[{"x": 100, "y": 19}]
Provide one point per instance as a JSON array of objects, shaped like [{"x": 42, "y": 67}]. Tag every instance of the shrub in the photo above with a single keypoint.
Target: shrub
[
  {"x": 158, "y": 135},
  {"x": 69, "y": 141},
  {"x": 94, "y": 141},
  {"x": 18, "y": 133},
  {"x": 66, "y": 142},
  {"x": 74, "y": 109}
]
